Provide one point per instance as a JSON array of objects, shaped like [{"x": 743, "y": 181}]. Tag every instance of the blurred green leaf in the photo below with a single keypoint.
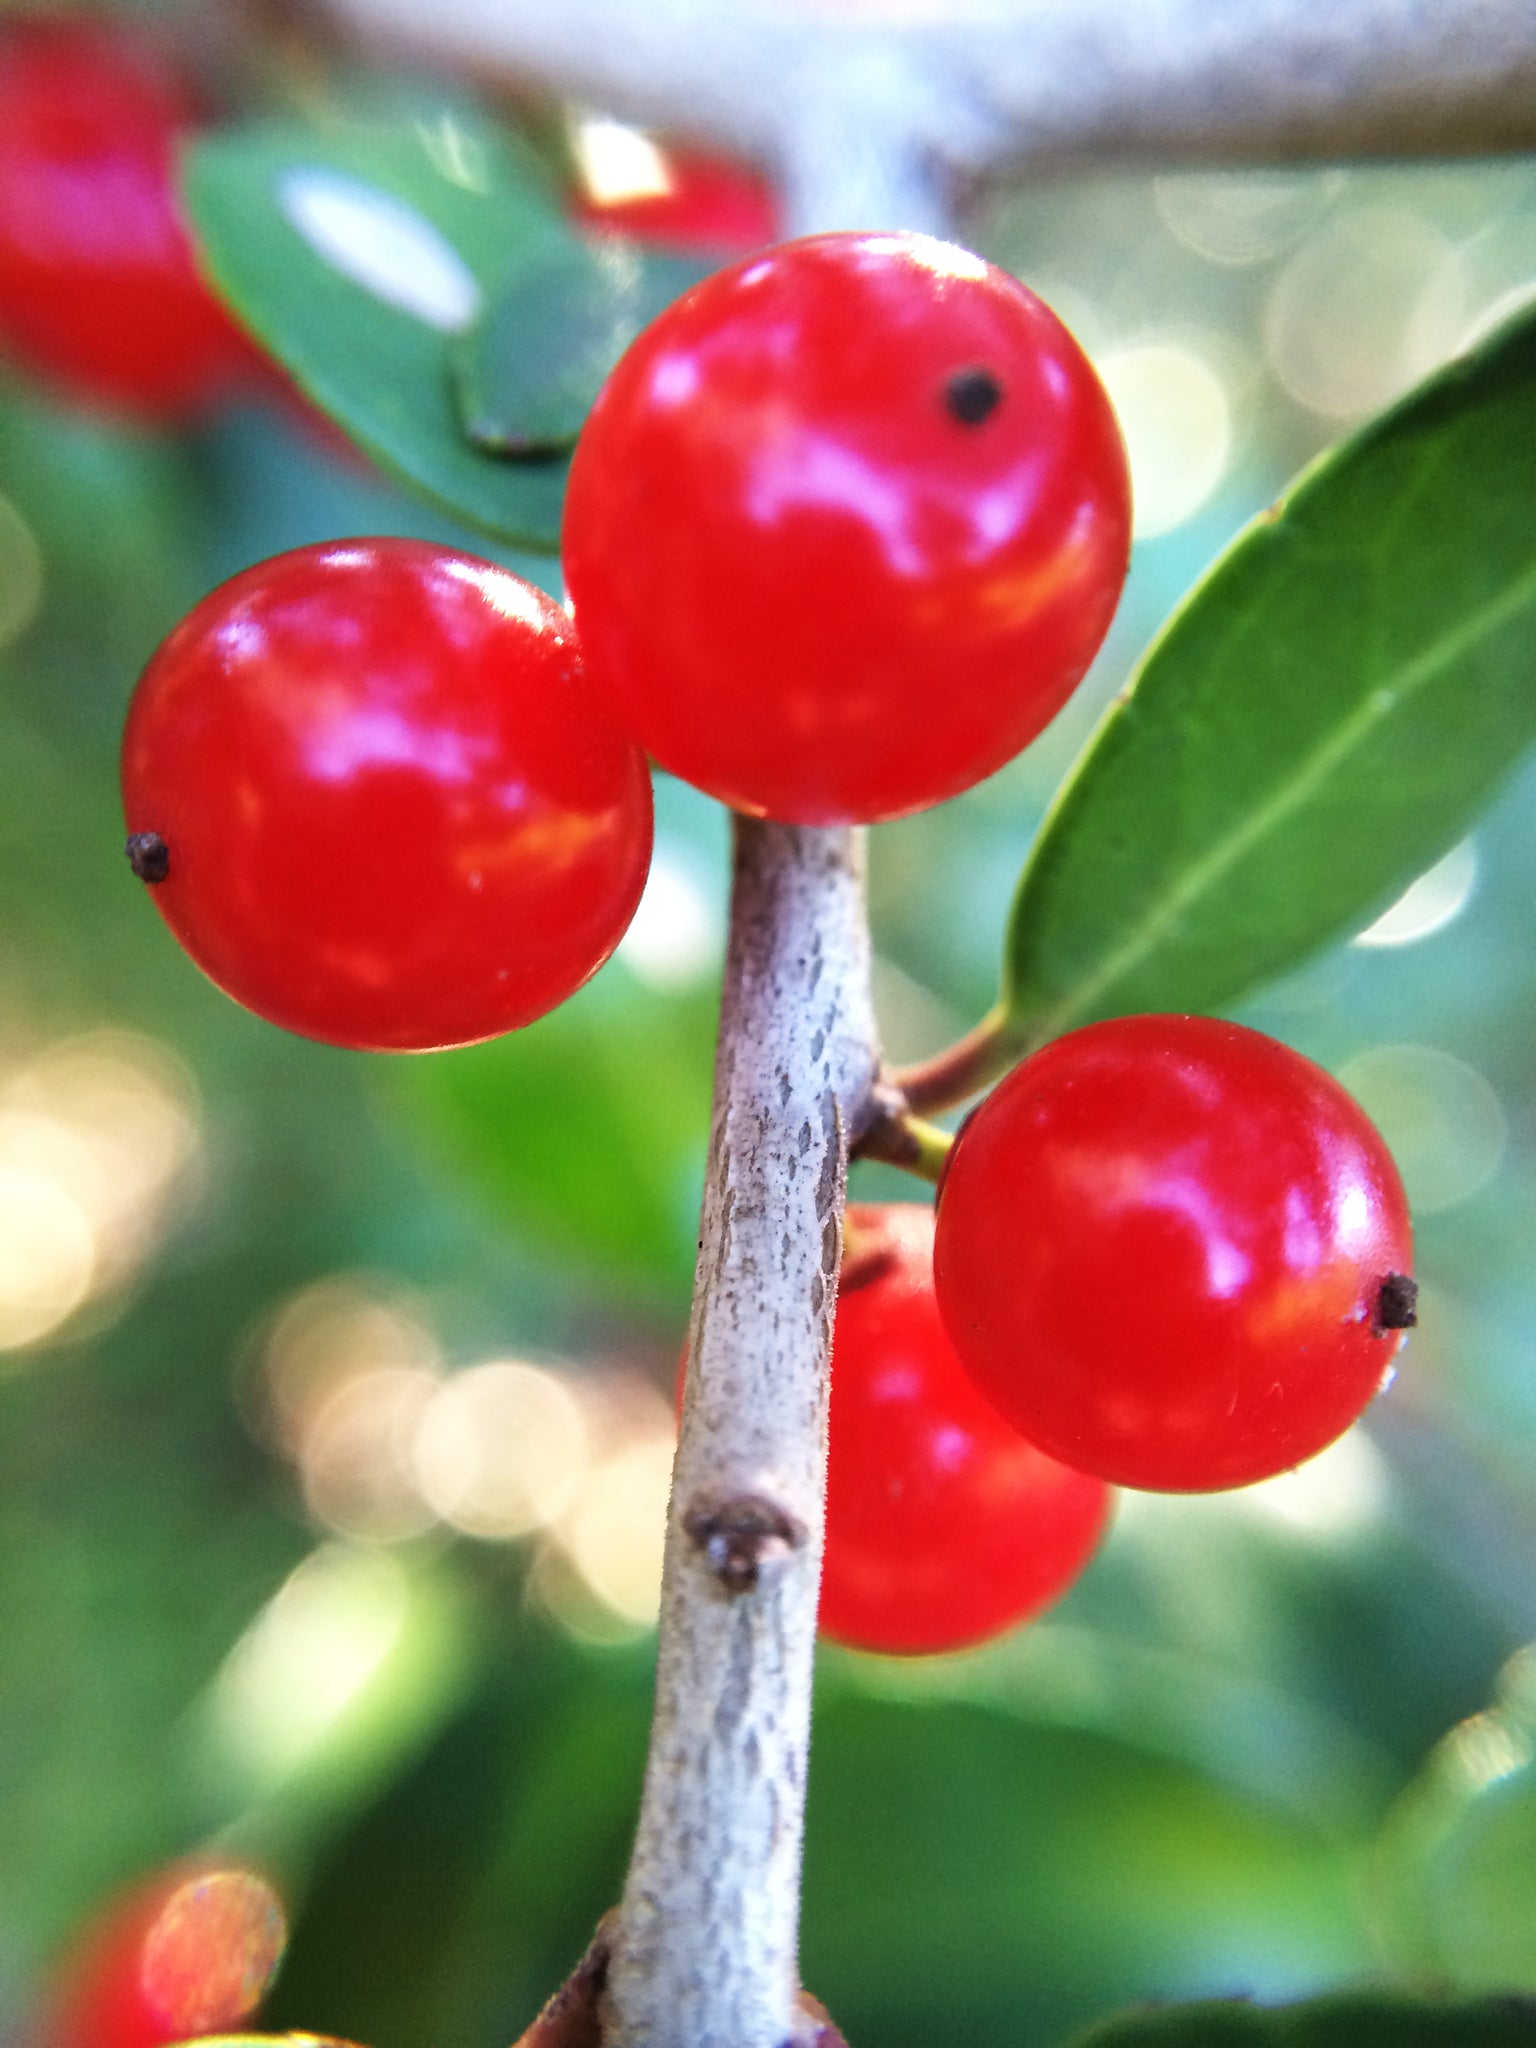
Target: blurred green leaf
[
  {"x": 989, "y": 1878},
  {"x": 1361, "y": 2021},
  {"x": 588, "y": 1128},
  {"x": 354, "y": 249},
  {"x": 1320, "y": 721},
  {"x": 1456, "y": 1869},
  {"x": 528, "y": 370},
  {"x": 115, "y": 516}
]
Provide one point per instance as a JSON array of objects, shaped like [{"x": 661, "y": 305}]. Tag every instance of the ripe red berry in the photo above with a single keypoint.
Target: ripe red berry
[
  {"x": 944, "y": 1525},
  {"x": 846, "y": 526},
  {"x": 191, "y": 1952},
  {"x": 99, "y": 289},
  {"x": 1174, "y": 1252},
  {"x": 710, "y": 205},
  {"x": 375, "y": 800}
]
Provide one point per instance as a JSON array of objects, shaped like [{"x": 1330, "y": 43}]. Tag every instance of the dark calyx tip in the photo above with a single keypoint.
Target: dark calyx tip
[
  {"x": 1396, "y": 1304},
  {"x": 971, "y": 395},
  {"x": 148, "y": 856}
]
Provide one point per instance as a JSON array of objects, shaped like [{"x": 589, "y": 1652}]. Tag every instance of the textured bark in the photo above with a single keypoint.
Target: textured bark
[{"x": 704, "y": 1954}]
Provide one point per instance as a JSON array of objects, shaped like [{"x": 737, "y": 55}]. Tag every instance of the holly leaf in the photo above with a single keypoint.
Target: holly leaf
[
  {"x": 356, "y": 250},
  {"x": 1317, "y": 724},
  {"x": 527, "y": 372},
  {"x": 1354, "y": 2021}
]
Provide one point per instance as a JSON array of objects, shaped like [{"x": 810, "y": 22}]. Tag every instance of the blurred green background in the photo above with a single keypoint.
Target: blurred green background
[{"x": 333, "y": 1415}]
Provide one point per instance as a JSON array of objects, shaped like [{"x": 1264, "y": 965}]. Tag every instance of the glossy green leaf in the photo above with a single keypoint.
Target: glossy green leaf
[
  {"x": 1456, "y": 1868},
  {"x": 588, "y": 1128},
  {"x": 528, "y": 370},
  {"x": 356, "y": 251},
  {"x": 1316, "y": 725},
  {"x": 1355, "y": 2021}
]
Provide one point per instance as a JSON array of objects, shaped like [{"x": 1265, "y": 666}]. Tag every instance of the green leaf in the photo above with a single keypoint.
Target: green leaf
[
  {"x": 528, "y": 370},
  {"x": 588, "y": 1128},
  {"x": 1317, "y": 724},
  {"x": 1354, "y": 2021},
  {"x": 355, "y": 250},
  {"x": 1070, "y": 1870}
]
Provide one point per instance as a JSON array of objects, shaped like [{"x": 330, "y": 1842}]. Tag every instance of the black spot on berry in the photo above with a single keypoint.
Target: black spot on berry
[
  {"x": 1396, "y": 1304},
  {"x": 971, "y": 395},
  {"x": 148, "y": 856}
]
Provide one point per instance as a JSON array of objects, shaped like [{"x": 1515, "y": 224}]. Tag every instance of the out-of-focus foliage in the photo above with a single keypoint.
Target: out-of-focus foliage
[
  {"x": 1359, "y": 2020},
  {"x": 333, "y": 1423},
  {"x": 1457, "y": 1860}
]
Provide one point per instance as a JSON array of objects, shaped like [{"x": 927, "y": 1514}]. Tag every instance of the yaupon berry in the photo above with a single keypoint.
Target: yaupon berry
[
  {"x": 1174, "y": 1253},
  {"x": 846, "y": 526},
  {"x": 944, "y": 1525},
  {"x": 99, "y": 290},
  {"x": 375, "y": 801}
]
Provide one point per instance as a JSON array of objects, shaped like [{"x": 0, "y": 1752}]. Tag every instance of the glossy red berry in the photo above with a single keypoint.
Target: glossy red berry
[
  {"x": 99, "y": 288},
  {"x": 375, "y": 800},
  {"x": 189, "y": 1953},
  {"x": 944, "y": 1525},
  {"x": 1174, "y": 1252},
  {"x": 846, "y": 526},
  {"x": 708, "y": 205}
]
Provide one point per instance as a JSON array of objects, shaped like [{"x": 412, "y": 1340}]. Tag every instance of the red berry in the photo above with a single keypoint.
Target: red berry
[
  {"x": 944, "y": 1526},
  {"x": 846, "y": 526},
  {"x": 99, "y": 289},
  {"x": 712, "y": 206},
  {"x": 189, "y": 1953},
  {"x": 375, "y": 800},
  {"x": 1174, "y": 1253}
]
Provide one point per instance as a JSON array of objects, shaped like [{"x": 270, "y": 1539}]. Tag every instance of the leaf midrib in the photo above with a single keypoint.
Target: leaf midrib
[{"x": 1380, "y": 704}]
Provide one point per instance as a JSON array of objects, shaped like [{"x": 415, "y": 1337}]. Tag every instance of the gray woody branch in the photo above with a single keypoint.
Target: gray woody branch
[
  {"x": 705, "y": 1947},
  {"x": 985, "y": 85}
]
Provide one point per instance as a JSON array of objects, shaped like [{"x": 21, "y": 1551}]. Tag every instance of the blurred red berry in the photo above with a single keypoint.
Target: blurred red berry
[
  {"x": 99, "y": 287},
  {"x": 710, "y": 205},
  {"x": 191, "y": 1952},
  {"x": 944, "y": 1525}
]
